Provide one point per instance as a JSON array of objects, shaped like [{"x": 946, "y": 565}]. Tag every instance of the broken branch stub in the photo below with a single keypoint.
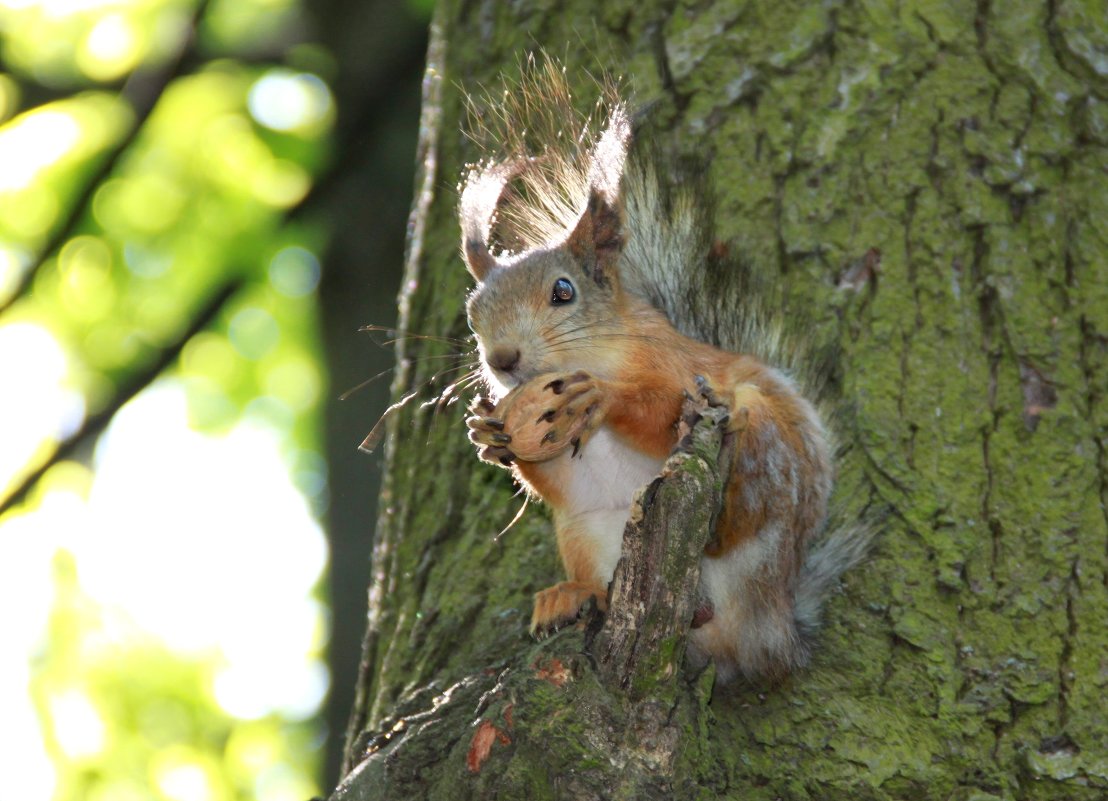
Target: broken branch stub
[{"x": 654, "y": 592}]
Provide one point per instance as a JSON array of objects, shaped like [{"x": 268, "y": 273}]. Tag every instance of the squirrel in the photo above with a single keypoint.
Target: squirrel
[{"x": 585, "y": 261}]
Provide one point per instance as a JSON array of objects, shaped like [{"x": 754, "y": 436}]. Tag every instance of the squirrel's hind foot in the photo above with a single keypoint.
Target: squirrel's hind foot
[{"x": 560, "y": 605}]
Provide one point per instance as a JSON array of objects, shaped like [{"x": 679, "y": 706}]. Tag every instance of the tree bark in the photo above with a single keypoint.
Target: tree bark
[{"x": 926, "y": 181}]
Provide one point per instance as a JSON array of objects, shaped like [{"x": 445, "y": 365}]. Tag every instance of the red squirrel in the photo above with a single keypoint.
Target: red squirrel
[{"x": 587, "y": 378}]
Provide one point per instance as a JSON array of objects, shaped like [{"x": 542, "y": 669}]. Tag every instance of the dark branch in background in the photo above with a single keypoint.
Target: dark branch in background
[
  {"x": 363, "y": 196},
  {"x": 33, "y": 93},
  {"x": 359, "y": 134},
  {"x": 94, "y": 425},
  {"x": 141, "y": 91}
]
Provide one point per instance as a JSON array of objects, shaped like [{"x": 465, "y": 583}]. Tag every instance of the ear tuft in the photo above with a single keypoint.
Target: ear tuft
[
  {"x": 597, "y": 239},
  {"x": 481, "y": 194}
]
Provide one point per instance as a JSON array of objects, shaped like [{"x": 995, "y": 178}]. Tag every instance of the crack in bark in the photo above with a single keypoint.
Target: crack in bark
[
  {"x": 1089, "y": 339},
  {"x": 1065, "y": 660},
  {"x": 657, "y": 36},
  {"x": 896, "y": 483},
  {"x": 895, "y": 643},
  {"x": 981, "y": 28},
  {"x": 779, "y": 223},
  {"x": 1065, "y": 58},
  {"x": 908, "y": 338},
  {"x": 988, "y": 309}
]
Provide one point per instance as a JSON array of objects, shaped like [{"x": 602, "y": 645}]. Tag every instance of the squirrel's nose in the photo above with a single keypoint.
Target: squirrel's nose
[{"x": 504, "y": 359}]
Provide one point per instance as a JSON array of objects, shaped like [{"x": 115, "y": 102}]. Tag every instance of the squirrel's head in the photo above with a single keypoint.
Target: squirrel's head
[{"x": 556, "y": 306}]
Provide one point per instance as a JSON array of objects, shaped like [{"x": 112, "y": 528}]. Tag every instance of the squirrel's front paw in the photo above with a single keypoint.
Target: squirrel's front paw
[
  {"x": 486, "y": 431},
  {"x": 739, "y": 405},
  {"x": 561, "y": 604}
]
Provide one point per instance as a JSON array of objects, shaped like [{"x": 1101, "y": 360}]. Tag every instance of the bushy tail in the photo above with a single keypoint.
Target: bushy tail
[{"x": 841, "y": 546}]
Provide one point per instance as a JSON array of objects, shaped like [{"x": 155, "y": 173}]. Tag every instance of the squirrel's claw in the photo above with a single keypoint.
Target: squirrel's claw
[
  {"x": 558, "y": 385},
  {"x": 482, "y": 406},
  {"x": 492, "y": 452},
  {"x": 496, "y": 455},
  {"x": 487, "y": 433}
]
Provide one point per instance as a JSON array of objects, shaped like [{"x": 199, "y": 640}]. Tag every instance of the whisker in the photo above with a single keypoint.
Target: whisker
[
  {"x": 396, "y": 337},
  {"x": 364, "y": 384},
  {"x": 567, "y": 343},
  {"x": 448, "y": 388},
  {"x": 586, "y": 326},
  {"x": 368, "y": 381},
  {"x": 516, "y": 519},
  {"x": 373, "y": 438},
  {"x": 448, "y": 396},
  {"x": 606, "y": 335}
]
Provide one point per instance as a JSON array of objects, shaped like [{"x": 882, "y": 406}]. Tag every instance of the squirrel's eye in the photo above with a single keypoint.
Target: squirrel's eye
[{"x": 563, "y": 292}]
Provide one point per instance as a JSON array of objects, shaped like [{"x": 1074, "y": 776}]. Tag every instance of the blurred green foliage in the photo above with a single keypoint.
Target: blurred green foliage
[{"x": 153, "y": 158}]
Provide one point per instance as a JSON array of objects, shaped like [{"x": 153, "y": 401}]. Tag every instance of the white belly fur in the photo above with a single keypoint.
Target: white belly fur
[{"x": 600, "y": 484}]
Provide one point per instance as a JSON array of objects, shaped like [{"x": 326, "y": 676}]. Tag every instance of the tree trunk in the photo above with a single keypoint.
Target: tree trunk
[{"x": 928, "y": 182}]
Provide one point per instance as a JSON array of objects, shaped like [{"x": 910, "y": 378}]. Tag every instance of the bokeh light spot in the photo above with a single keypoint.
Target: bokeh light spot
[
  {"x": 210, "y": 355},
  {"x": 147, "y": 203},
  {"x": 310, "y": 474},
  {"x": 253, "y": 332},
  {"x": 281, "y": 183},
  {"x": 144, "y": 262},
  {"x": 9, "y": 96},
  {"x": 110, "y": 50},
  {"x": 294, "y": 271},
  {"x": 78, "y": 728},
  {"x": 32, "y": 142},
  {"x": 13, "y": 263},
  {"x": 182, "y": 776},
  {"x": 86, "y": 289},
  {"x": 30, "y": 212},
  {"x": 45, "y": 407},
  {"x": 296, "y": 381},
  {"x": 289, "y": 101}
]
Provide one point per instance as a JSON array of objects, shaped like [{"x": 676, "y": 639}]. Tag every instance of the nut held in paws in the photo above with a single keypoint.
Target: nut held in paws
[{"x": 542, "y": 424}]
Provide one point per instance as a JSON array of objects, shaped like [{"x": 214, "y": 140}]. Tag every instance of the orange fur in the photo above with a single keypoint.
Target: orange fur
[{"x": 562, "y": 603}]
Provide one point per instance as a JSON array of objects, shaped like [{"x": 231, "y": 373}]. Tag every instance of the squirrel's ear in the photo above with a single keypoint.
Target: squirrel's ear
[
  {"x": 597, "y": 239},
  {"x": 480, "y": 197}
]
